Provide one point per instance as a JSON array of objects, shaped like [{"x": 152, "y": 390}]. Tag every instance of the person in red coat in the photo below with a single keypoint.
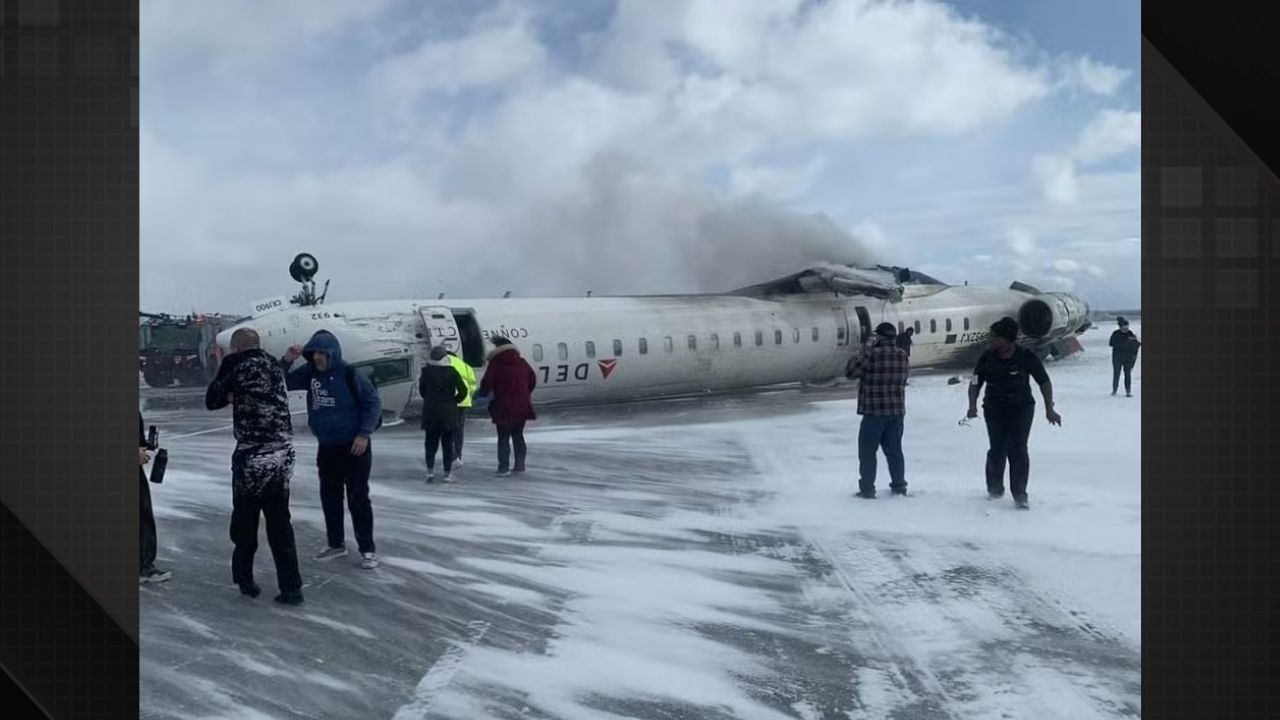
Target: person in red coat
[{"x": 509, "y": 382}]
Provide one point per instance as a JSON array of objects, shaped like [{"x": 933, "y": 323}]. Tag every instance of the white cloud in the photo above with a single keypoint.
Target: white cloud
[
  {"x": 502, "y": 48},
  {"x": 1110, "y": 133},
  {"x": 602, "y": 170},
  {"x": 228, "y": 28},
  {"x": 1089, "y": 75},
  {"x": 1057, "y": 178},
  {"x": 1022, "y": 242}
]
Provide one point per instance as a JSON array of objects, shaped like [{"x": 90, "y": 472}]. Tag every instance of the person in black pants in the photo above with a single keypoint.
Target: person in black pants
[
  {"x": 252, "y": 382},
  {"x": 1006, "y": 369},
  {"x": 1124, "y": 355},
  {"x": 441, "y": 388},
  {"x": 343, "y": 411},
  {"x": 147, "y": 570}
]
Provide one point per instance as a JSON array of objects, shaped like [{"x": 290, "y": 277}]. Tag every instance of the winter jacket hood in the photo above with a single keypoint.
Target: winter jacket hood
[
  {"x": 325, "y": 342},
  {"x": 335, "y": 414},
  {"x": 510, "y": 381}
]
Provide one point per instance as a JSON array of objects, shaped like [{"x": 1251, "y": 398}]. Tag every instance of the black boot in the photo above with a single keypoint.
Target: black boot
[
  {"x": 250, "y": 588},
  {"x": 292, "y": 597}
]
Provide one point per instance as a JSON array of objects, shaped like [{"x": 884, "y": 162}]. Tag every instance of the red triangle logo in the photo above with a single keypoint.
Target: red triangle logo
[{"x": 607, "y": 367}]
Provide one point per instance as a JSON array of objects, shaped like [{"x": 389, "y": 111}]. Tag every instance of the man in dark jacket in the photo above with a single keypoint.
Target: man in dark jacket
[
  {"x": 905, "y": 342},
  {"x": 343, "y": 409},
  {"x": 251, "y": 381},
  {"x": 1006, "y": 369},
  {"x": 881, "y": 371},
  {"x": 1124, "y": 355},
  {"x": 441, "y": 388},
  {"x": 510, "y": 382},
  {"x": 147, "y": 570}
]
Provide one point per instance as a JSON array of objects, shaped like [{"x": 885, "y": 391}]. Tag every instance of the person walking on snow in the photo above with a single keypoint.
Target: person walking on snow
[
  {"x": 1124, "y": 355},
  {"x": 1006, "y": 370},
  {"x": 251, "y": 381},
  {"x": 881, "y": 372},
  {"x": 441, "y": 388},
  {"x": 509, "y": 381},
  {"x": 464, "y": 405},
  {"x": 343, "y": 411}
]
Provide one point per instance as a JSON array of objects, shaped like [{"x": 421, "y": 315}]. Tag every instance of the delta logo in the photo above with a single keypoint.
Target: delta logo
[{"x": 607, "y": 367}]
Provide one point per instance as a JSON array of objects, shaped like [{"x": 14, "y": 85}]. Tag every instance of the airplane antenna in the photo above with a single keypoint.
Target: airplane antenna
[
  {"x": 588, "y": 293},
  {"x": 440, "y": 296},
  {"x": 506, "y": 294}
]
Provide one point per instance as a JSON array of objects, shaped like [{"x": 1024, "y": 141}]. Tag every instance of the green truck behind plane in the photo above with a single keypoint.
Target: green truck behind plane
[{"x": 179, "y": 349}]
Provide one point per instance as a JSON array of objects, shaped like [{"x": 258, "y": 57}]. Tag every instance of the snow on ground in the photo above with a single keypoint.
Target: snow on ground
[{"x": 684, "y": 559}]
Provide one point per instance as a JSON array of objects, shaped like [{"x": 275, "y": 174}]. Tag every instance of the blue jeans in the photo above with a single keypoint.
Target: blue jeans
[{"x": 881, "y": 432}]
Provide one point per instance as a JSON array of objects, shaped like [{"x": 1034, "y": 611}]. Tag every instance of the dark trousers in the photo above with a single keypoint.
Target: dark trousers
[
  {"x": 507, "y": 436},
  {"x": 881, "y": 432},
  {"x": 440, "y": 439},
  {"x": 272, "y": 504},
  {"x": 1116, "y": 366},
  {"x": 340, "y": 470},
  {"x": 1008, "y": 427},
  {"x": 147, "y": 537},
  {"x": 457, "y": 433}
]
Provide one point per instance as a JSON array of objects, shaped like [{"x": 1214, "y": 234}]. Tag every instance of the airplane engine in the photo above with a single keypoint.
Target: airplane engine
[{"x": 1052, "y": 315}]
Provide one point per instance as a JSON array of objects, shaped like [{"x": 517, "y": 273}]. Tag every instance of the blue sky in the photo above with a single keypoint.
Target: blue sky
[{"x": 634, "y": 147}]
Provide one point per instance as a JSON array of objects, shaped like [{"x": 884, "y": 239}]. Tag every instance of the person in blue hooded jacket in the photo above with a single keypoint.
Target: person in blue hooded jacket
[{"x": 343, "y": 409}]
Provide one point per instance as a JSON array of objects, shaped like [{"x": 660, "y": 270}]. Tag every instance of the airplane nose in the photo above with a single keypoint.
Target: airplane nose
[{"x": 223, "y": 341}]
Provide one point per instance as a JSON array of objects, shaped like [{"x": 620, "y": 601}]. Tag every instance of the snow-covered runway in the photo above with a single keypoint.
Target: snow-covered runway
[{"x": 685, "y": 559}]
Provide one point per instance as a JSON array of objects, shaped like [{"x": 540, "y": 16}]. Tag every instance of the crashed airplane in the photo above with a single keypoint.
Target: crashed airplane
[{"x": 802, "y": 328}]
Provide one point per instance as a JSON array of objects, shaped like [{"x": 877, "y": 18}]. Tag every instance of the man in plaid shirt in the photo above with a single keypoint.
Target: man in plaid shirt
[{"x": 881, "y": 371}]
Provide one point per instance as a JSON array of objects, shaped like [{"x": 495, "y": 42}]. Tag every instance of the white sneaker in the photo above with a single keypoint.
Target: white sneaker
[
  {"x": 448, "y": 477},
  {"x": 369, "y": 561},
  {"x": 330, "y": 553},
  {"x": 431, "y": 477},
  {"x": 457, "y": 463}
]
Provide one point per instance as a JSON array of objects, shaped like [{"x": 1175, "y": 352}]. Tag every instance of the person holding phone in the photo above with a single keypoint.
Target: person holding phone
[{"x": 147, "y": 570}]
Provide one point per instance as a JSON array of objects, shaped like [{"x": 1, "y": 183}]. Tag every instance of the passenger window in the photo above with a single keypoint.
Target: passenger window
[
  {"x": 737, "y": 339},
  {"x": 591, "y": 349},
  {"x": 815, "y": 334},
  {"x": 384, "y": 372},
  {"x": 667, "y": 344},
  {"x": 966, "y": 323},
  {"x": 840, "y": 333},
  {"x": 693, "y": 342},
  {"x": 537, "y": 353},
  {"x": 933, "y": 326},
  {"x": 948, "y": 324},
  {"x": 796, "y": 336},
  {"x": 759, "y": 338},
  {"x": 777, "y": 337},
  {"x": 617, "y": 348},
  {"x": 901, "y": 328},
  {"x": 644, "y": 346},
  {"x": 917, "y": 327},
  {"x": 563, "y": 351},
  {"x": 715, "y": 341}
]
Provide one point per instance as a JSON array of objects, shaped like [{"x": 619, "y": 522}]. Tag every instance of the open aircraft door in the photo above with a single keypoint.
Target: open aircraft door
[
  {"x": 864, "y": 324},
  {"x": 440, "y": 329},
  {"x": 841, "y": 319}
]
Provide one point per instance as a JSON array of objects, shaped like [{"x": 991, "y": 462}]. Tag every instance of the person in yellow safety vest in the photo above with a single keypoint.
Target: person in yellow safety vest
[{"x": 468, "y": 377}]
